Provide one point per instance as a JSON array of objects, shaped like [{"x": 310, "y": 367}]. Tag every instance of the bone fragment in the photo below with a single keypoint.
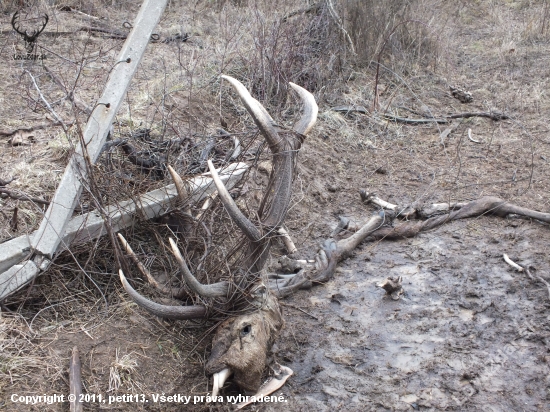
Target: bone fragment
[{"x": 274, "y": 384}]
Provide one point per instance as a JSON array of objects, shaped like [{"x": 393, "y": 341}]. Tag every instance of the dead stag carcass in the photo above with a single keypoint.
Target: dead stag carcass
[{"x": 241, "y": 343}]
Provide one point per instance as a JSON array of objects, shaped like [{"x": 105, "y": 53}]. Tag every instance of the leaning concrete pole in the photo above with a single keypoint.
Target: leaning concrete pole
[{"x": 47, "y": 239}]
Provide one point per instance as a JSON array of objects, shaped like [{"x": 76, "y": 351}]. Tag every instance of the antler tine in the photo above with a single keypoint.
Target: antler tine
[
  {"x": 219, "y": 289},
  {"x": 174, "y": 292},
  {"x": 140, "y": 266},
  {"x": 163, "y": 311},
  {"x": 248, "y": 228},
  {"x": 262, "y": 119},
  {"x": 306, "y": 123},
  {"x": 44, "y": 26},
  {"x": 180, "y": 188},
  {"x": 14, "y": 22}
]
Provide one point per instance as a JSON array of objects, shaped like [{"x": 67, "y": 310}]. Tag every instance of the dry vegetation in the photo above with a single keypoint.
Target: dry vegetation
[{"x": 394, "y": 58}]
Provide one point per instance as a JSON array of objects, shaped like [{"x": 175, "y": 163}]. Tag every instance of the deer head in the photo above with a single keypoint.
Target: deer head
[
  {"x": 241, "y": 343},
  {"x": 29, "y": 37}
]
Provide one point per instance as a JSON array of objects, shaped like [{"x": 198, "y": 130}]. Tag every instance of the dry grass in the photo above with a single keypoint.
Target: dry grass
[{"x": 24, "y": 360}]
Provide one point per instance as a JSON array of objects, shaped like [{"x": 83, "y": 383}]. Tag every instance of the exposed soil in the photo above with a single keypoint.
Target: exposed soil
[{"x": 469, "y": 333}]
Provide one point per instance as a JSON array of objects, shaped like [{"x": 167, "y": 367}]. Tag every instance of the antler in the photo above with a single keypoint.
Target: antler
[
  {"x": 284, "y": 147},
  {"x": 14, "y": 22},
  {"x": 46, "y": 19},
  {"x": 28, "y": 37}
]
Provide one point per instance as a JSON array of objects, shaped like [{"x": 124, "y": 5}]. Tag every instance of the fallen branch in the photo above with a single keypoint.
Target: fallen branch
[
  {"x": 406, "y": 120},
  {"x": 446, "y": 119},
  {"x": 490, "y": 115},
  {"x": 350, "y": 109},
  {"x": 9, "y": 133},
  {"x": 113, "y": 34},
  {"x": 15, "y": 196}
]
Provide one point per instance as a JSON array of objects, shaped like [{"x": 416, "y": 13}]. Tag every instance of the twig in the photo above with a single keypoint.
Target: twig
[
  {"x": 447, "y": 132},
  {"x": 539, "y": 278},
  {"x": 52, "y": 111},
  {"x": 300, "y": 309},
  {"x": 113, "y": 34},
  {"x": 406, "y": 120},
  {"x": 350, "y": 109},
  {"x": 75, "y": 381},
  {"x": 13, "y": 223},
  {"x": 79, "y": 103}
]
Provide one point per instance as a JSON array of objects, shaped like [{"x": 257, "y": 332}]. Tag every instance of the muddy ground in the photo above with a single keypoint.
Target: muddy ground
[{"x": 469, "y": 334}]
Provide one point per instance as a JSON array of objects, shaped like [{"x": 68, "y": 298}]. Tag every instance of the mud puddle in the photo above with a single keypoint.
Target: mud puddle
[{"x": 469, "y": 333}]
